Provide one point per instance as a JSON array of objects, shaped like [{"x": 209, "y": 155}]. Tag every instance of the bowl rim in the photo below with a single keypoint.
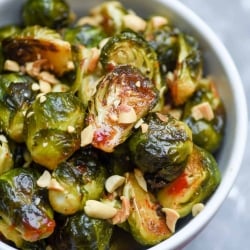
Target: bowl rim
[
  {"x": 189, "y": 231},
  {"x": 194, "y": 226}
]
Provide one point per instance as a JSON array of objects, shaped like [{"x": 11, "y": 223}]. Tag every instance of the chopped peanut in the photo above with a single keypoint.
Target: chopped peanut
[
  {"x": 203, "y": 111},
  {"x": 144, "y": 128},
  {"x": 162, "y": 117},
  {"x": 126, "y": 114},
  {"x": 134, "y": 22},
  {"x": 44, "y": 179},
  {"x": 171, "y": 218},
  {"x": 11, "y": 66},
  {"x": 55, "y": 185},
  {"x": 48, "y": 77},
  {"x": 159, "y": 21},
  {"x": 113, "y": 182},
  {"x": 87, "y": 135},
  {"x": 99, "y": 210},
  {"x": 140, "y": 179},
  {"x": 45, "y": 87},
  {"x": 197, "y": 208}
]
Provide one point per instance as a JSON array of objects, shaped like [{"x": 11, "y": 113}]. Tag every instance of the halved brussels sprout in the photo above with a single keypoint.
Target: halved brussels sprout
[
  {"x": 53, "y": 14},
  {"x": 123, "y": 96},
  {"x": 109, "y": 16},
  {"x": 197, "y": 182},
  {"x": 130, "y": 48},
  {"x": 52, "y": 128},
  {"x": 16, "y": 96},
  {"x": 24, "y": 206},
  {"x": 207, "y": 133},
  {"x": 146, "y": 225},
  {"x": 39, "y": 43},
  {"x": 163, "y": 148},
  {"x": 81, "y": 177},
  {"x": 88, "y": 35},
  {"x": 82, "y": 232}
]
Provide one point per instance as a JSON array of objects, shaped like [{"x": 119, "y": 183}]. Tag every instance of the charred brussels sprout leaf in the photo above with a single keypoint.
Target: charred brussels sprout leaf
[
  {"x": 163, "y": 148},
  {"x": 207, "y": 133},
  {"x": 53, "y": 126},
  {"x": 16, "y": 95},
  {"x": 130, "y": 48},
  {"x": 123, "y": 96},
  {"x": 39, "y": 43},
  {"x": 24, "y": 206},
  {"x": 82, "y": 232},
  {"x": 82, "y": 177},
  {"x": 53, "y": 14},
  {"x": 87, "y": 35},
  {"x": 145, "y": 225},
  {"x": 198, "y": 181}
]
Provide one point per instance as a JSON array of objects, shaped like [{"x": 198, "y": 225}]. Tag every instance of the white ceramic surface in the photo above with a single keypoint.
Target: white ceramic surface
[{"x": 219, "y": 64}]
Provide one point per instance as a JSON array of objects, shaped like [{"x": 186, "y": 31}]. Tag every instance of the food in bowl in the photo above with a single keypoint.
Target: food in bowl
[{"x": 109, "y": 125}]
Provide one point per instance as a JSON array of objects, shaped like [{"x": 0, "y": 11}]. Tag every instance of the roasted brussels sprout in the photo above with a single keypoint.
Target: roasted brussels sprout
[
  {"x": 16, "y": 95},
  {"x": 6, "y": 158},
  {"x": 198, "y": 181},
  {"x": 109, "y": 16},
  {"x": 205, "y": 115},
  {"x": 123, "y": 96},
  {"x": 52, "y": 128},
  {"x": 129, "y": 47},
  {"x": 53, "y": 14},
  {"x": 145, "y": 223},
  {"x": 163, "y": 148},
  {"x": 82, "y": 177},
  {"x": 88, "y": 35},
  {"x": 39, "y": 43},
  {"x": 82, "y": 232},
  {"x": 23, "y": 206}
]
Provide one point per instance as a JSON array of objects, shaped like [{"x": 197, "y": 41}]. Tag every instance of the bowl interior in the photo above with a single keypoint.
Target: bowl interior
[{"x": 219, "y": 65}]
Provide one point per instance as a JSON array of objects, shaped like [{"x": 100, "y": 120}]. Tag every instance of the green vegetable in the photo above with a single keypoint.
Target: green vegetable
[
  {"x": 163, "y": 148},
  {"x": 123, "y": 96},
  {"x": 197, "y": 182},
  {"x": 53, "y": 127},
  {"x": 82, "y": 177},
  {"x": 8, "y": 30},
  {"x": 145, "y": 224},
  {"x": 24, "y": 207},
  {"x": 82, "y": 232},
  {"x": 206, "y": 133},
  {"x": 128, "y": 47},
  {"x": 87, "y": 35},
  {"x": 39, "y": 43},
  {"x": 16, "y": 96},
  {"x": 53, "y": 13}
]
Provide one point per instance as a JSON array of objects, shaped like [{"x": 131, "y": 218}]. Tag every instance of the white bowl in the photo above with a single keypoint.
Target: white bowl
[{"x": 219, "y": 64}]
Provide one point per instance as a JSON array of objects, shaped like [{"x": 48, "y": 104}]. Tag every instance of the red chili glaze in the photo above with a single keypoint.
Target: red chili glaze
[{"x": 178, "y": 185}]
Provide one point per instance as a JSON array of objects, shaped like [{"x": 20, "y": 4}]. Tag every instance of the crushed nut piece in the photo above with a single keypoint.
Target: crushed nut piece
[
  {"x": 44, "y": 179},
  {"x": 87, "y": 135},
  {"x": 176, "y": 113},
  {"x": 197, "y": 208},
  {"x": 99, "y": 210},
  {"x": 48, "y": 77},
  {"x": 43, "y": 98},
  {"x": 203, "y": 111},
  {"x": 139, "y": 123},
  {"x": 126, "y": 114},
  {"x": 159, "y": 21},
  {"x": 162, "y": 117},
  {"x": 113, "y": 182},
  {"x": 71, "y": 129},
  {"x": 140, "y": 179},
  {"x": 55, "y": 185},
  {"x": 11, "y": 66},
  {"x": 171, "y": 218},
  {"x": 35, "y": 86},
  {"x": 144, "y": 128},
  {"x": 44, "y": 86},
  {"x": 134, "y": 22}
]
